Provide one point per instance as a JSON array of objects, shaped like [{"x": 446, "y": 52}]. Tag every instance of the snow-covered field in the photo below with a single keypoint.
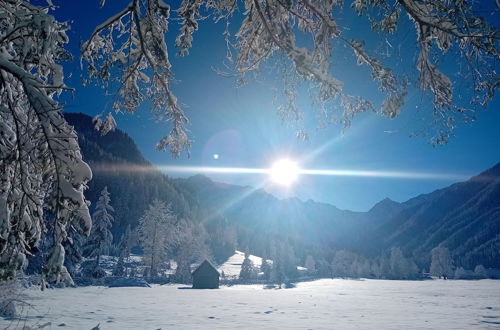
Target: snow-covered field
[{"x": 322, "y": 304}]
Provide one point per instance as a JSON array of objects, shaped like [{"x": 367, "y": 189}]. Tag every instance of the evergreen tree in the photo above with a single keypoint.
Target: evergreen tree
[
  {"x": 247, "y": 271},
  {"x": 101, "y": 238},
  {"x": 119, "y": 269}
]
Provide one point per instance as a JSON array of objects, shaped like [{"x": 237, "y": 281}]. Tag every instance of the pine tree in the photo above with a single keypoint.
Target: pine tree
[
  {"x": 100, "y": 237},
  {"x": 247, "y": 271},
  {"x": 119, "y": 269}
]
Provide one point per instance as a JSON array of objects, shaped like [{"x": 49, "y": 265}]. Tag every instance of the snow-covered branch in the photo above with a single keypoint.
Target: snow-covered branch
[{"x": 40, "y": 161}]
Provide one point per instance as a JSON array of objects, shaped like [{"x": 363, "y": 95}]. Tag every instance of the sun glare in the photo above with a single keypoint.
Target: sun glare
[{"x": 284, "y": 172}]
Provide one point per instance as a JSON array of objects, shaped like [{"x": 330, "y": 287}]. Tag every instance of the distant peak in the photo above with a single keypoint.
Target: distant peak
[
  {"x": 200, "y": 178},
  {"x": 384, "y": 205}
]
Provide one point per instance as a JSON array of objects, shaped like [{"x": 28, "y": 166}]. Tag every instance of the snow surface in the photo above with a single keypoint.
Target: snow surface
[
  {"x": 232, "y": 266},
  {"x": 322, "y": 304}
]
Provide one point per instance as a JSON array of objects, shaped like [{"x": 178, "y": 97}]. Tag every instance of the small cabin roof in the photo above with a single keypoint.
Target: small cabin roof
[{"x": 206, "y": 266}]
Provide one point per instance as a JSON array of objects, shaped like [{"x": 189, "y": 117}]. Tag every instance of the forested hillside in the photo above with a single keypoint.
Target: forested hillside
[{"x": 464, "y": 217}]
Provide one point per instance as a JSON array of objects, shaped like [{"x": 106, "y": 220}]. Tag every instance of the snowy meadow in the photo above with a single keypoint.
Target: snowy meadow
[{"x": 321, "y": 304}]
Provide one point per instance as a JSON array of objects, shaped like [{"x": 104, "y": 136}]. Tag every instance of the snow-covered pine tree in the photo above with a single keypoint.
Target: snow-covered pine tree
[
  {"x": 247, "y": 271},
  {"x": 119, "y": 269},
  {"x": 156, "y": 231},
  {"x": 100, "y": 238},
  {"x": 441, "y": 262}
]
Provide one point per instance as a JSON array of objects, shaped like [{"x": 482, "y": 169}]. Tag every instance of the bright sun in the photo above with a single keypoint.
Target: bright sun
[{"x": 284, "y": 172}]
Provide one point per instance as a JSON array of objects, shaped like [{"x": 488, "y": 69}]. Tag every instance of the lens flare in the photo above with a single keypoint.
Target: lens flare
[
  {"x": 284, "y": 172},
  {"x": 288, "y": 171}
]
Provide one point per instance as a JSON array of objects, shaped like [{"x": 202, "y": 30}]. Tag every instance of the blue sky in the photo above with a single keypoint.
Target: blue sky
[{"x": 240, "y": 124}]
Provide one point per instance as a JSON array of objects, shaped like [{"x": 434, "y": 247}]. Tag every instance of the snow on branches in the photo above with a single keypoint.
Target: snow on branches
[
  {"x": 40, "y": 162},
  {"x": 130, "y": 49}
]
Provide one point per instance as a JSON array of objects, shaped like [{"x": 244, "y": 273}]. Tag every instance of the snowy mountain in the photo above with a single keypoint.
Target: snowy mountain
[{"x": 465, "y": 217}]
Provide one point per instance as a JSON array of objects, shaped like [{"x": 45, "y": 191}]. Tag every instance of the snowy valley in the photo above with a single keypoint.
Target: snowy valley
[{"x": 322, "y": 304}]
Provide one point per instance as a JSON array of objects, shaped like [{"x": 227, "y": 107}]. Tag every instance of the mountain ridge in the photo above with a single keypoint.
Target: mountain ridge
[{"x": 465, "y": 216}]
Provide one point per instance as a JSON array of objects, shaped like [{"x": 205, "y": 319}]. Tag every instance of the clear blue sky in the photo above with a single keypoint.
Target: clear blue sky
[{"x": 240, "y": 124}]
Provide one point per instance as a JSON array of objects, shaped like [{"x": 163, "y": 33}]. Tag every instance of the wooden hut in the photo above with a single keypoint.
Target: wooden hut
[{"x": 205, "y": 276}]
